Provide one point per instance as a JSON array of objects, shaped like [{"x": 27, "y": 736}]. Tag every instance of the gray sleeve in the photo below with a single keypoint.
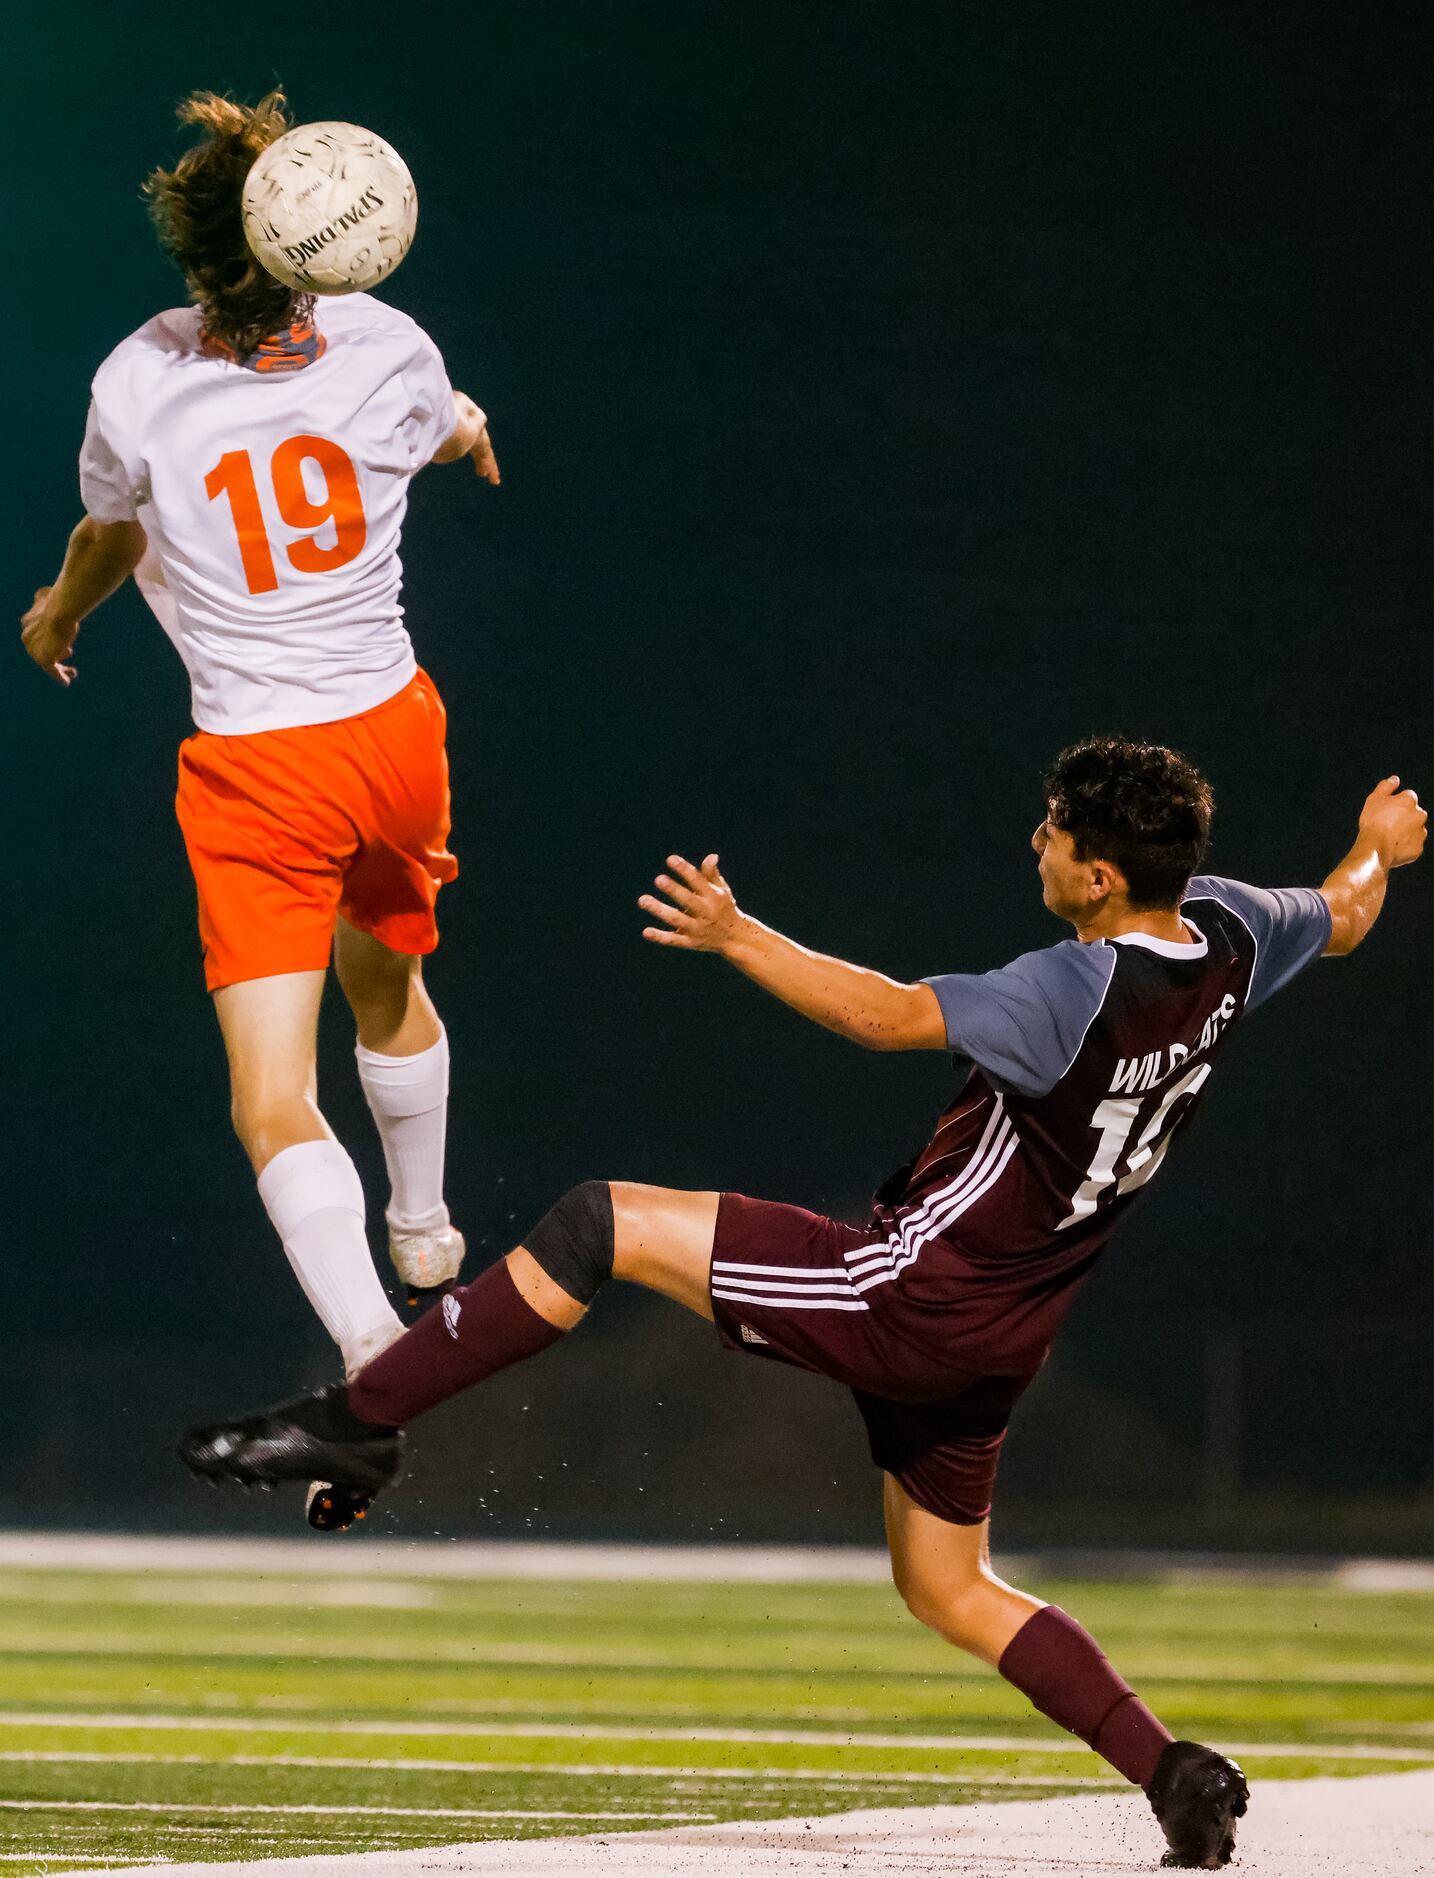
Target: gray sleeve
[
  {"x": 1289, "y": 925},
  {"x": 1024, "y": 1024}
]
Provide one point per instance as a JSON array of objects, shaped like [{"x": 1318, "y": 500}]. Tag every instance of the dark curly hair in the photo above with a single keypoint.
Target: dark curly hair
[
  {"x": 195, "y": 208},
  {"x": 1143, "y": 808}
]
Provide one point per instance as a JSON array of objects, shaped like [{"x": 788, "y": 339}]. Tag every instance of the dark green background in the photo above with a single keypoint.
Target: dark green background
[{"x": 885, "y": 396}]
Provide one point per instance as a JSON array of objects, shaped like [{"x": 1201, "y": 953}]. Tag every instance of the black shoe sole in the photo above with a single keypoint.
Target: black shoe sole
[
  {"x": 334, "y": 1509},
  {"x": 420, "y": 1297}
]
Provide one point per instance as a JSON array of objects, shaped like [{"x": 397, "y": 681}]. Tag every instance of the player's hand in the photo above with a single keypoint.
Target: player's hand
[
  {"x": 484, "y": 460},
  {"x": 49, "y": 642},
  {"x": 1393, "y": 819},
  {"x": 699, "y": 913}
]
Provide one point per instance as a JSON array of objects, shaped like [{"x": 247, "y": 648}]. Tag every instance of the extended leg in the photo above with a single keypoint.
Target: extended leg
[
  {"x": 653, "y": 1236},
  {"x": 308, "y": 1184},
  {"x": 402, "y": 1054},
  {"x": 943, "y": 1572}
]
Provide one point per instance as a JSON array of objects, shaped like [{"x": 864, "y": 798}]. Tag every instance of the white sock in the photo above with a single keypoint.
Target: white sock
[
  {"x": 314, "y": 1197},
  {"x": 409, "y": 1099}
]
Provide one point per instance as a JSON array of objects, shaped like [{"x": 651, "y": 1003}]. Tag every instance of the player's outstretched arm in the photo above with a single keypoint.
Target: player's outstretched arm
[
  {"x": 99, "y": 558},
  {"x": 699, "y": 914},
  {"x": 1391, "y": 834},
  {"x": 470, "y": 438}
]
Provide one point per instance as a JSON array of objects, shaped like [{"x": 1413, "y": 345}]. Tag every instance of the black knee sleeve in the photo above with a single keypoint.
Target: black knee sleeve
[{"x": 573, "y": 1242}]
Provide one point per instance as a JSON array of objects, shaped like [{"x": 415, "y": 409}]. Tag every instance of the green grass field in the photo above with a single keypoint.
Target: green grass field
[{"x": 220, "y": 1717}]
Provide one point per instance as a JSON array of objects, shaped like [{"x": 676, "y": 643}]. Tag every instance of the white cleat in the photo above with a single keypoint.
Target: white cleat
[{"x": 426, "y": 1261}]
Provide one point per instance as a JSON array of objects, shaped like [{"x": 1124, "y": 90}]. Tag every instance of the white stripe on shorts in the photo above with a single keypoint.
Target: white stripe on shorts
[
  {"x": 790, "y": 1287},
  {"x": 781, "y": 1271},
  {"x": 793, "y": 1304},
  {"x": 767, "y": 1287},
  {"x": 811, "y": 1288}
]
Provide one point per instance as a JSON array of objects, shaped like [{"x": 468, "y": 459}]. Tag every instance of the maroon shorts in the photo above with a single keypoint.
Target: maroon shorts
[{"x": 790, "y": 1284}]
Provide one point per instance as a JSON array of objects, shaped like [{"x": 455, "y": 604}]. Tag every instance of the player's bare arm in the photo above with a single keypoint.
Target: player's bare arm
[
  {"x": 470, "y": 438},
  {"x": 100, "y": 557},
  {"x": 1391, "y": 834},
  {"x": 700, "y": 914}
]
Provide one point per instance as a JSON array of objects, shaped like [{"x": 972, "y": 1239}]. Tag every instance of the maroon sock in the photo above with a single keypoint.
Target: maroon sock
[
  {"x": 1063, "y": 1671},
  {"x": 473, "y": 1332}
]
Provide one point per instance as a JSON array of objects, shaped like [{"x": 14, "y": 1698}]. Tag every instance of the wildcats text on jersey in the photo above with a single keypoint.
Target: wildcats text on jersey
[
  {"x": 1139, "y": 1073},
  {"x": 1094, "y": 1057}
]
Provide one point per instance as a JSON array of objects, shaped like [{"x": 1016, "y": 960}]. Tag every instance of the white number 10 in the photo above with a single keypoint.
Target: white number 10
[{"x": 1115, "y": 1118}]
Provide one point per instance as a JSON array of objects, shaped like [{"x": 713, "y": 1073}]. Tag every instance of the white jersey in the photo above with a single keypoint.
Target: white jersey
[{"x": 273, "y": 502}]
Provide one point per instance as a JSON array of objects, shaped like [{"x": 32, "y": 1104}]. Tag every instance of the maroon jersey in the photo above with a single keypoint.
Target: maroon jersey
[{"x": 1082, "y": 1064}]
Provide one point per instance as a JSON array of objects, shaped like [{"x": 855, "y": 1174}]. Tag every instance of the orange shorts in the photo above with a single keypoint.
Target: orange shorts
[{"x": 288, "y": 829}]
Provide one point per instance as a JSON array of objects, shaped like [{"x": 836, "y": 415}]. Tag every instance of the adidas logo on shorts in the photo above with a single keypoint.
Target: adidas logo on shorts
[
  {"x": 451, "y": 1309},
  {"x": 750, "y": 1336}
]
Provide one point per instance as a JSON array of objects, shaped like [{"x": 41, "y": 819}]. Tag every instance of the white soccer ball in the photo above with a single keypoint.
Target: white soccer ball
[{"x": 329, "y": 208}]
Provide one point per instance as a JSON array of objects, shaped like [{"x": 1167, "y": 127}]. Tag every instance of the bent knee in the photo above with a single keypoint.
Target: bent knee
[
  {"x": 260, "y": 1121},
  {"x": 249, "y": 1117},
  {"x": 377, "y": 996},
  {"x": 573, "y": 1242},
  {"x": 950, "y": 1607},
  {"x": 591, "y": 1194}
]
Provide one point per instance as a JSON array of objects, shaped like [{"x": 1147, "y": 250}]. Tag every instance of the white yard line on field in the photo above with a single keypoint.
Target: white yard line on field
[
  {"x": 616, "y": 1656},
  {"x": 703, "y": 1564},
  {"x": 829, "y": 1776},
  {"x": 712, "y": 1564},
  {"x": 571, "y": 1731},
  {"x": 375, "y": 1812},
  {"x": 1383, "y": 1575},
  {"x": 285, "y": 1593}
]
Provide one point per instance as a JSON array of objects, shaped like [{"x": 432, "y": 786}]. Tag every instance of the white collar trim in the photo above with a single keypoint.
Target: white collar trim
[{"x": 1167, "y": 948}]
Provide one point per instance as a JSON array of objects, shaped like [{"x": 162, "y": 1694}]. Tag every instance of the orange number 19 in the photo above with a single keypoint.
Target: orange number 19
[{"x": 342, "y": 504}]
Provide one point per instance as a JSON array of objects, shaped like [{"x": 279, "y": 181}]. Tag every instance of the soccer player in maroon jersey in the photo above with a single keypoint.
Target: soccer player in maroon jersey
[{"x": 1078, "y": 1065}]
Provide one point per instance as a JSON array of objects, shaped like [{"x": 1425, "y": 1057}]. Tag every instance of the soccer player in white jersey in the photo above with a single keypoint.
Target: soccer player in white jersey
[{"x": 248, "y": 459}]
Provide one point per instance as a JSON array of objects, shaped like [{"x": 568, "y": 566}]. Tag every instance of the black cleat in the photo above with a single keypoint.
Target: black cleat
[
  {"x": 1197, "y": 1795},
  {"x": 312, "y": 1438}
]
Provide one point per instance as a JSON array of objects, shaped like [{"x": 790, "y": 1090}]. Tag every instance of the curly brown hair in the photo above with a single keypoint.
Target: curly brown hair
[
  {"x": 195, "y": 208},
  {"x": 1142, "y": 807}
]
